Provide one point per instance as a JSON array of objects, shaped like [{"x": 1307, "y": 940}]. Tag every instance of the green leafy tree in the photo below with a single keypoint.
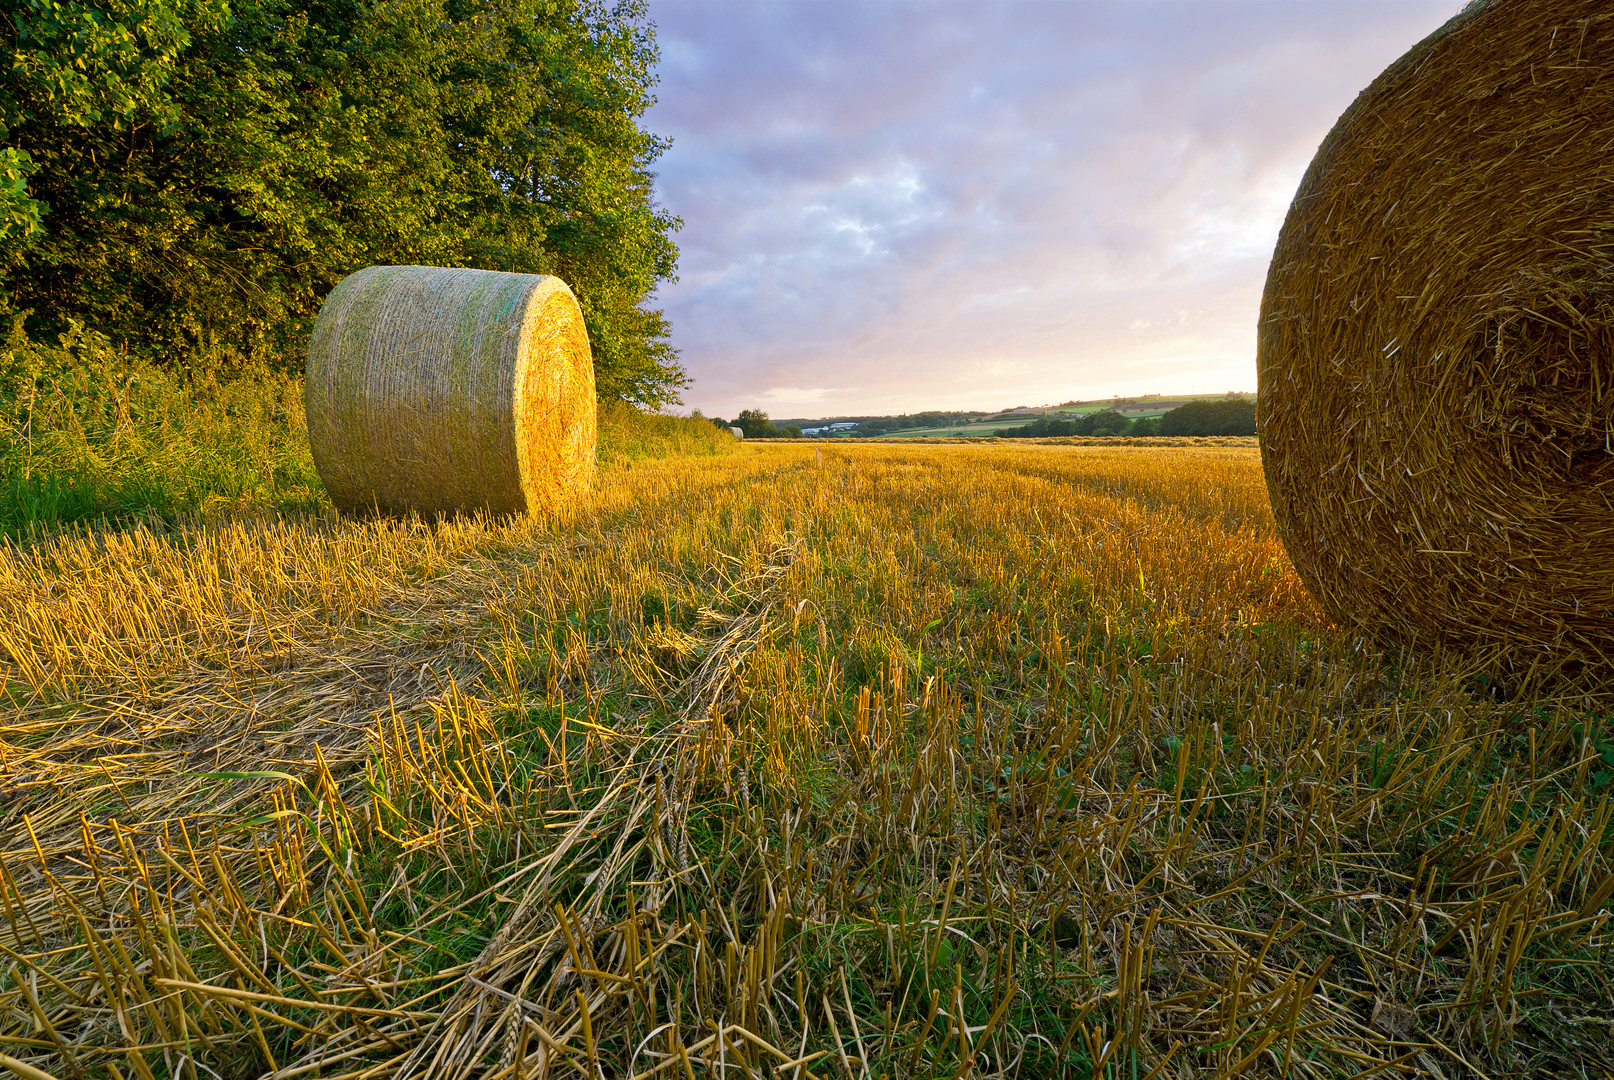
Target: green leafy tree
[
  {"x": 19, "y": 215},
  {"x": 1229, "y": 416},
  {"x": 204, "y": 172},
  {"x": 756, "y": 425},
  {"x": 1107, "y": 422}
]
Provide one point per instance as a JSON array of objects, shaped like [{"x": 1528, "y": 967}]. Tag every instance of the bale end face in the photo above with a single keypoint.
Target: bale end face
[{"x": 1436, "y": 346}]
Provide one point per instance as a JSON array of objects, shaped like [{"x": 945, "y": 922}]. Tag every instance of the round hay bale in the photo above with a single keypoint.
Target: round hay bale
[
  {"x": 435, "y": 391},
  {"x": 737, "y": 432},
  {"x": 1436, "y": 345}
]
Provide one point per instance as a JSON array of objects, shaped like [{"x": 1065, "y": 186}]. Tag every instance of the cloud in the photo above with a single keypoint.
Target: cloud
[{"x": 899, "y": 206}]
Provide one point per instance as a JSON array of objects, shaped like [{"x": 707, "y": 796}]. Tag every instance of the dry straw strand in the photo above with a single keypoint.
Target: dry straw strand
[
  {"x": 441, "y": 390},
  {"x": 398, "y": 829},
  {"x": 1436, "y": 347}
]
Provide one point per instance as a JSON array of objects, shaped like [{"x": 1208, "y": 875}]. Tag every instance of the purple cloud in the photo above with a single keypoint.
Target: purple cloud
[{"x": 897, "y": 206}]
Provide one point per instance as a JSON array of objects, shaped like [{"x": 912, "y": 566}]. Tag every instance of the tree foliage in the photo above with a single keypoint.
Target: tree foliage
[
  {"x": 1106, "y": 422},
  {"x": 191, "y": 177},
  {"x": 756, "y": 425},
  {"x": 1231, "y": 416},
  {"x": 869, "y": 426}
]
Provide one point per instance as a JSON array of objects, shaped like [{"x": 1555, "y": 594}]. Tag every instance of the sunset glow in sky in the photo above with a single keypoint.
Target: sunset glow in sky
[{"x": 894, "y": 206}]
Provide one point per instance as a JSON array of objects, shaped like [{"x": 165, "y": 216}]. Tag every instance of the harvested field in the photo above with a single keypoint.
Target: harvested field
[
  {"x": 1112, "y": 441},
  {"x": 815, "y": 760}
]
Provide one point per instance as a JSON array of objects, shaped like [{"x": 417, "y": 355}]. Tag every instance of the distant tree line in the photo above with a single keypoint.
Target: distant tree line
[
  {"x": 756, "y": 425},
  {"x": 871, "y": 426},
  {"x": 1107, "y": 422},
  {"x": 1232, "y": 416},
  {"x": 882, "y": 425}
]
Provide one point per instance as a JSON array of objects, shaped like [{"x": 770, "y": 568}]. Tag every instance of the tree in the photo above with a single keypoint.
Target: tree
[
  {"x": 19, "y": 215},
  {"x": 1230, "y": 416},
  {"x": 756, "y": 425},
  {"x": 205, "y": 171},
  {"x": 1107, "y": 422}
]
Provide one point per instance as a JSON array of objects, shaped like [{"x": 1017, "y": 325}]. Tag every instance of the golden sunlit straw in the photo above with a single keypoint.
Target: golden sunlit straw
[
  {"x": 434, "y": 391},
  {"x": 786, "y": 801},
  {"x": 1436, "y": 347}
]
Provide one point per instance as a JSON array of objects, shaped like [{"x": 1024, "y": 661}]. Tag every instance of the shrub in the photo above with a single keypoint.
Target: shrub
[
  {"x": 630, "y": 434},
  {"x": 89, "y": 433}
]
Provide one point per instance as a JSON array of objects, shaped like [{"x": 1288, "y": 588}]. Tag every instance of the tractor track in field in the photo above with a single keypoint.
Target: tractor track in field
[
  {"x": 138, "y": 754},
  {"x": 143, "y": 754}
]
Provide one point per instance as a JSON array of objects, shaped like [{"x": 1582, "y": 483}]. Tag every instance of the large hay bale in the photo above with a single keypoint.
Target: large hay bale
[
  {"x": 1437, "y": 344},
  {"x": 434, "y": 391}
]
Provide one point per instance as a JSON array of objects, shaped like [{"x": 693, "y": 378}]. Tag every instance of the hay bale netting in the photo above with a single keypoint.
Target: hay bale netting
[
  {"x": 1436, "y": 346},
  {"x": 434, "y": 391}
]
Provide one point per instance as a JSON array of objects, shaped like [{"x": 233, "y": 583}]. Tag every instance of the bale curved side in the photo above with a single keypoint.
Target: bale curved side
[
  {"x": 1436, "y": 345},
  {"x": 441, "y": 390}
]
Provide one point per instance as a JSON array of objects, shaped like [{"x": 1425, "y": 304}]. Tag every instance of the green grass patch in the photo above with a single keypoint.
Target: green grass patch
[
  {"x": 89, "y": 434},
  {"x": 628, "y": 435}
]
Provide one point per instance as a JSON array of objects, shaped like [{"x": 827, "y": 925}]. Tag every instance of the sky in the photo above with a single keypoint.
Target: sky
[{"x": 891, "y": 206}]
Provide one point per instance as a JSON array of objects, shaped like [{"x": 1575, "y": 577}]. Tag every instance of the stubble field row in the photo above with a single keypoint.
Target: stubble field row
[{"x": 863, "y": 761}]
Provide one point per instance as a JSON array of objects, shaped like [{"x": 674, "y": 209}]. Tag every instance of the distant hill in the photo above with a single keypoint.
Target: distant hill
[
  {"x": 986, "y": 423},
  {"x": 869, "y": 426}
]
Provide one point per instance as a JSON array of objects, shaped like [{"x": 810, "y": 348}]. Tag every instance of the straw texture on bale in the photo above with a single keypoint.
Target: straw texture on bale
[
  {"x": 1436, "y": 345},
  {"x": 435, "y": 390}
]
